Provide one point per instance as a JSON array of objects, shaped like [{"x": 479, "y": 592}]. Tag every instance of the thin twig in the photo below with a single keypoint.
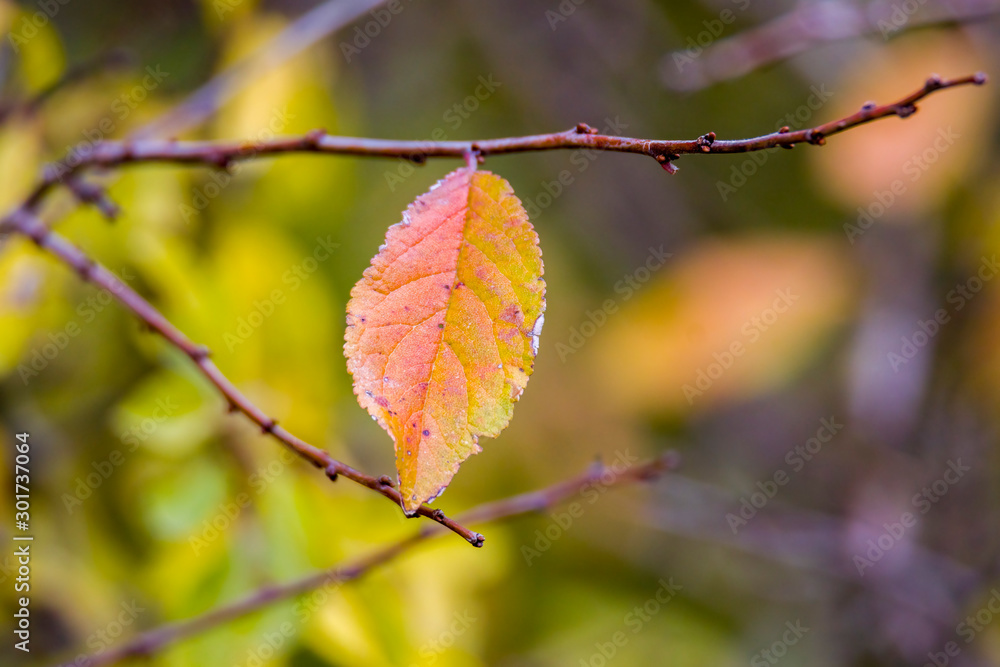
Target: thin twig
[
  {"x": 801, "y": 29},
  {"x": 27, "y": 223},
  {"x": 222, "y": 154},
  {"x": 109, "y": 60},
  {"x": 156, "y": 640},
  {"x": 306, "y": 30}
]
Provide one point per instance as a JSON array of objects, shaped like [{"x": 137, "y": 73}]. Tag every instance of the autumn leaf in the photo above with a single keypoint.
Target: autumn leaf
[{"x": 443, "y": 327}]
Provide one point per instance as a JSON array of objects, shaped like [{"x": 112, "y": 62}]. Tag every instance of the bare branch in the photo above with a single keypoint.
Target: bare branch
[
  {"x": 302, "y": 33},
  {"x": 25, "y": 222},
  {"x": 803, "y": 28},
  {"x": 151, "y": 642},
  {"x": 110, "y": 60},
  {"x": 221, "y": 154}
]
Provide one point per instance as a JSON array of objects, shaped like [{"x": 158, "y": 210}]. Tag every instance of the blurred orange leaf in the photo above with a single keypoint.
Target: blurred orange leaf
[
  {"x": 730, "y": 319},
  {"x": 442, "y": 329}
]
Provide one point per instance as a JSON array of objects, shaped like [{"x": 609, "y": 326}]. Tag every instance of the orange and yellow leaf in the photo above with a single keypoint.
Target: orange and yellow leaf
[{"x": 443, "y": 327}]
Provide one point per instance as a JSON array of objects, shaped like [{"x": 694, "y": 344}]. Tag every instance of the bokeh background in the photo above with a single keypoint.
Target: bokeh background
[{"x": 854, "y": 279}]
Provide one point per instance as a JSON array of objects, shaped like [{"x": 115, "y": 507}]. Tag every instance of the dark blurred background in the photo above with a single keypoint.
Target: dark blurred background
[{"x": 820, "y": 344}]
